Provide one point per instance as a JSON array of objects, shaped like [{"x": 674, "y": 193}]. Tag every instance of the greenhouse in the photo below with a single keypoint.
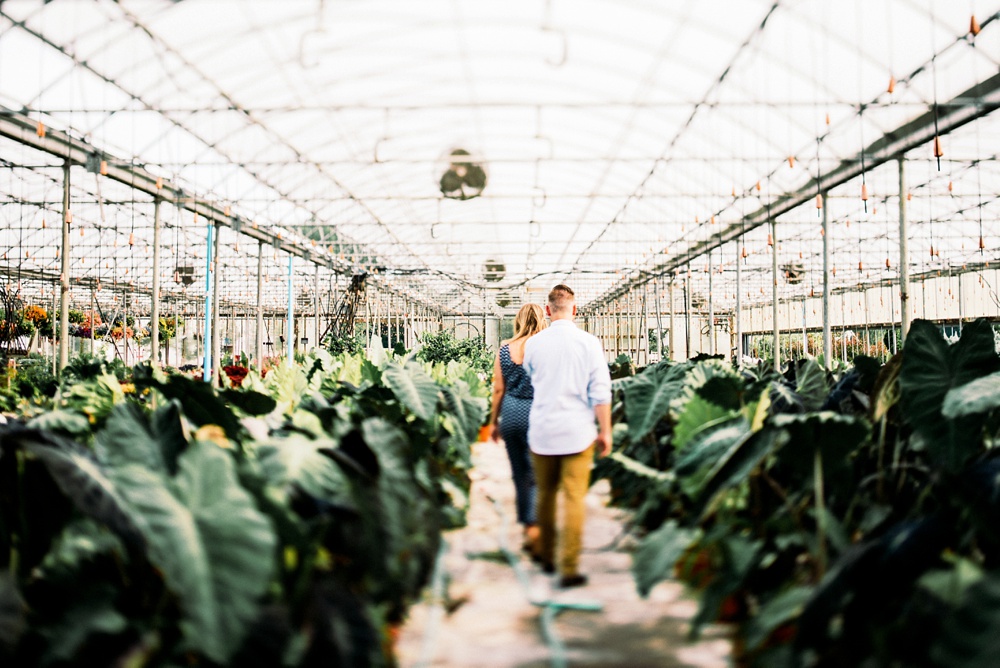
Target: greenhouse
[{"x": 302, "y": 229}]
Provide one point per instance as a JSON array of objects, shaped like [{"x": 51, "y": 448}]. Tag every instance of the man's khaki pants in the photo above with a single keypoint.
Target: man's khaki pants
[{"x": 572, "y": 474}]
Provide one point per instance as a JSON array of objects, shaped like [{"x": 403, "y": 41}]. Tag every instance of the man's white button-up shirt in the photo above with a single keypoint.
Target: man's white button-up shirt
[{"x": 570, "y": 377}]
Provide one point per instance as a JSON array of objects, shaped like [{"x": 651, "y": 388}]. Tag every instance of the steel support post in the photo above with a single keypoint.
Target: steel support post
[
  {"x": 670, "y": 320},
  {"x": 290, "y": 326},
  {"x": 711, "y": 310},
  {"x": 739, "y": 303},
  {"x": 827, "y": 335},
  {"x": 687, "y": 313},
  {"x": 207, "y": 339},
  {"x": 904, "y": 254},
  {"x": 776, "y": 348},
  {"x": 260, "y": 308},
  {"x": 64, "y": 283},
  {"x": 154, "y": 298},
  {"x": 216, "y": 307},
  {"x": 316, "y": 310}
]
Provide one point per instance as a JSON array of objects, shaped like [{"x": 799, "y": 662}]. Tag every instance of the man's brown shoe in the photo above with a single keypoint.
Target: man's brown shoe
[{"x": 567, "y": 581}]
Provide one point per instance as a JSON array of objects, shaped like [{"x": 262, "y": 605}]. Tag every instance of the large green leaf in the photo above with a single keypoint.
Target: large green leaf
[
  {"x": 62, "y": 421},
  {"x": 658, "y": 552},
  {"x": 932, "y": 367},
  {"x": 91, "y": 610},
  {"x": 83, "y": 480},
  {"x": 299, "y": 461},
  {"x": 980, "y": 396},
  {"x": 467, "y": 410},
  {"x": 648, "y": 397},
  {"x": 699, "y": 414},
  {"x": 12, "y": 615},
  {"x": 215, "y": 550},
  {"x": 836, "y": 437},
  {"x": 131, "y": 436},
  {"x": 970, "y": 637},
  {"x": 200, "y": 402},
  {"x": 736, "y": 464},
  {"x": 413, "y": 388},
  {"x": 705, "y": 449},
  {"x": 782, "y": 608},
  {"x": 810, "y": 384},
  {"x": 704, "y": 378},
  {"x": 249, "y": 401}
]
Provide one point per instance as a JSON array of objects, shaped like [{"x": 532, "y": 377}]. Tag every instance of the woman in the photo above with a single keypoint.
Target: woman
[{"x": 509, "y": 416}]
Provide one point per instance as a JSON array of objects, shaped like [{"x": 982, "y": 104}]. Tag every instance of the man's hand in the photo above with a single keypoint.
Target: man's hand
[
  {"x": 604, "y": 438},
  {"x": 603, "y": 444}
]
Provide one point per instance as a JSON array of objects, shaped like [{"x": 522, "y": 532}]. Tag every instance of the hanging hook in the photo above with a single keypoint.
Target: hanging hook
[
  {"x": 541, "y": 193},
  {"x": 547, "y": 28},
  {"x": 320, "y": 29},
  {"x": 564, "y": 43}
]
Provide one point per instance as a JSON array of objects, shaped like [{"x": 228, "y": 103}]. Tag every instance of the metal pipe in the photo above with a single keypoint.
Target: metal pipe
[
  {"x": 687, "y": 313},
  {"x": 92, "y": 324},
  {"x": 290, "y": 327},
  {"x": 961, "y": 310},
  {"x": 64, "y": 276},
  {"x": 805, "y": 335},
  {"x": 154, "y": 305},
  {"x": 670, "y": 297},
  {"x": 739, "y": 303},
  {"x": 776, "y": 348},
  {"x": 207, "y": 339},
  {"x": 827, "y": 335},
  {"x": 904, "y": 254},
  {"x": 260, "y": 307},
  {"x": 659, "y": 318},
  {"x": 316, "y": 311},
  {"x": 216, "y": 307},
  {"x": 711, "y": 310}
]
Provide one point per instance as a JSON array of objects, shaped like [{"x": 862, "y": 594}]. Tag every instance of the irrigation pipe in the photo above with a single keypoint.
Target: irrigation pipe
[{"x": 550, "y": 607}]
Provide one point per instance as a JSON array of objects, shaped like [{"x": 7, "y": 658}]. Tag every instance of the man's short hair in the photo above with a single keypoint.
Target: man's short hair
[{"x": 561, "y": 298}]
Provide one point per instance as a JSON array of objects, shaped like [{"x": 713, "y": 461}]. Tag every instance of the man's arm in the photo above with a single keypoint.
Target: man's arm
[
  {"x": 604, "y": 438},
  {"x": 599, "y": 395}
]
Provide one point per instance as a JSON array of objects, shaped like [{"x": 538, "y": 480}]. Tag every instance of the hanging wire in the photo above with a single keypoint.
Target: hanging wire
[{"x": 938, "y": 152}]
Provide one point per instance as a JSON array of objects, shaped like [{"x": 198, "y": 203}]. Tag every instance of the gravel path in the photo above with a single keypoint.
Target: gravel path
[{"x": 487, "y": 619}]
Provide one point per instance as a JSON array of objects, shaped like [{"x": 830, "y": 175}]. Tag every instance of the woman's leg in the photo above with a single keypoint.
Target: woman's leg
[{"x": 524, "y": 479}]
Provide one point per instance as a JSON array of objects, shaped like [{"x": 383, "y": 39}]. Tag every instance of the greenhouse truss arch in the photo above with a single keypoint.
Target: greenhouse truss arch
[{"x": 714, "y": 172}]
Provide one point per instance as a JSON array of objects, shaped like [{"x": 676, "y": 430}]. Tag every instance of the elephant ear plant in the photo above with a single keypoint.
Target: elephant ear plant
[
  {"x": 837, "y": 519},
  {"x": 173, "y": 537}
]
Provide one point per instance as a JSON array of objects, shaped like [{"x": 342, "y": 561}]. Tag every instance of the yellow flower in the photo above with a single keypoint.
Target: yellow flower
[{"x": 213, "y": 433}]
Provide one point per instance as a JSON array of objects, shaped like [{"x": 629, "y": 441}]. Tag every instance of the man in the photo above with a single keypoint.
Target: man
[{"x": 572, "y": 387}]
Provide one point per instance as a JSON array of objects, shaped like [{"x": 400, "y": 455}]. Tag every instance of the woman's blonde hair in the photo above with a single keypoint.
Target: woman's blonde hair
[{"x": 529, "y": 321}]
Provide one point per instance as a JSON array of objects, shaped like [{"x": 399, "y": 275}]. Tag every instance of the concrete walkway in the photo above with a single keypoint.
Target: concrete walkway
[{"x": 485, "y": 618}]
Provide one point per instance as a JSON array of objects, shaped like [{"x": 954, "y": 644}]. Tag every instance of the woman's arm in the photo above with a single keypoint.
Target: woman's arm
[{"x": 498, "y": 390}]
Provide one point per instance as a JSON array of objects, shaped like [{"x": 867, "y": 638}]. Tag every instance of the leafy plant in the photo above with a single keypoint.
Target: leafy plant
[
  {"x": 443, "y": 347},
  {"x": 839, "y": 519},
  {"x": 228, "y": 528}
]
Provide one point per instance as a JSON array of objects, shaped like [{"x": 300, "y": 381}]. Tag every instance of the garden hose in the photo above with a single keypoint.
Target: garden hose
[{"x": 550, "y": 607}]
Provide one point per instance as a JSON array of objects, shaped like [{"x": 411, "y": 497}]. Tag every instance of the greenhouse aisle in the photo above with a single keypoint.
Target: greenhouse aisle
[{"x": 485, "y": 617}]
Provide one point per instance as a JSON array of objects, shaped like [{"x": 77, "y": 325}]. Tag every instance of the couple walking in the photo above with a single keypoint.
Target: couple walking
[{"x": 550, "y": 386}]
